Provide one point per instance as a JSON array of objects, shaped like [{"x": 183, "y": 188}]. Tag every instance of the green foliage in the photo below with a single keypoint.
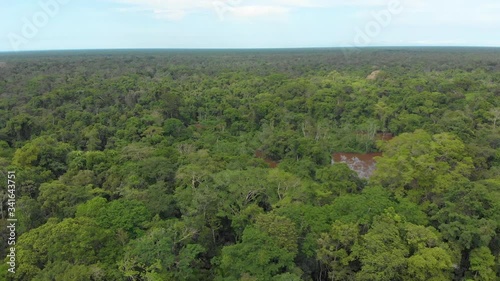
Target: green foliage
[
  {"x": 163, "y": 254},
  {"x": 429, "y": 261},
  {"x": 267, "y": 250},
  {"x": 470, "y": 216},
  {"x": 73, "y": 242},
  {"x": 381, "y": 251},
  {"x": 422, "y": 166},
  {"x": 60, "y": 200},
  {"x": 337, "y": 180},
  {"x": 29, "y": 213},
  {"x": 208, "y": 165},
  {"x": 430, "y": 264},
  {"x": 482, "y": 263},
  {"x": 335, "y": 250},
  {"x": 124, "y": 215},
  {"x": 44, "y": 152}
]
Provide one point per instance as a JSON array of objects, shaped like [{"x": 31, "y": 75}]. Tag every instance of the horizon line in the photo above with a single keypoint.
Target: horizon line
[{"x": 247, "y": 49}]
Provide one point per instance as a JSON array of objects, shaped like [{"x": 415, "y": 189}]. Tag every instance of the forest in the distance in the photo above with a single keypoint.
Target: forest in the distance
[{"x": 217, "y": 164}]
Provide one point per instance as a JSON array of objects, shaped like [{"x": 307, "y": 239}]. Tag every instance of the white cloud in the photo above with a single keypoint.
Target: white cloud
[
  {"x": 166, "y": 9},
  {"x": 170, "y": 14},
  {"x": 416, "y": 12},
  {"x": 455, "y": 13},
  {"x": 258, "y": 11},
  {"x": 178, "y": 9}
]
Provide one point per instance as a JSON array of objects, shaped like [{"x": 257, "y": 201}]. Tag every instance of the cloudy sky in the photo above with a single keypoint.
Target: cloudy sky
[{"x": 104, "y": 24}]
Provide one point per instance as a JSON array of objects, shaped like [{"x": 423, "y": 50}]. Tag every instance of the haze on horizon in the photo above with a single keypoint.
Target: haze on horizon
[{"x": 138, "y": 24}]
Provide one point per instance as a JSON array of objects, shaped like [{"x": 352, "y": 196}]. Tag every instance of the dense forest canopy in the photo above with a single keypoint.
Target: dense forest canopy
[{"x": 217, "y": 164}]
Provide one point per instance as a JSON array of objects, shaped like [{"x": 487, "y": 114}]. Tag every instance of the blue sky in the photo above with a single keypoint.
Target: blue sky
[{"x": 104, "y": 24}]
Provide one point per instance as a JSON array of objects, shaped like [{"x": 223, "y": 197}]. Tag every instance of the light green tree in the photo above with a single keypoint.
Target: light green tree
[{"x": 382, "y": 252}]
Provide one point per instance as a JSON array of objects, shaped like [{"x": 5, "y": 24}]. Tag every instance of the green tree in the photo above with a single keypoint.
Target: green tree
[
  {"x": 163, "y": 254},
  {"x": 119, "y": 215},
  {"x": 381, "y": 251},
  {"x": 335, "y": 250},
  {"x": 482, "y": 264},
  {"x": 421, "y": 166},
  {"x": 429, "y": 260},
  {"x": 44, "y": 152},
  {"x": 338, "y": 179},
  {"x": 74, "y": 241},
  {"x": 60, "y": 200},
  {"x": 268, "y": 249}
]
